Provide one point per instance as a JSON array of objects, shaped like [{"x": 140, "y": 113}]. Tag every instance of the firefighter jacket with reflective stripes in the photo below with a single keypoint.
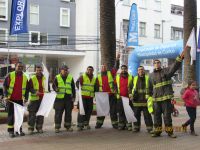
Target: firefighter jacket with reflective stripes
[
  {"x": 12, "y": 84},
  {"x": 110, "y": 83},
  {"x": 162, "y": 83},
  {"x": 35, "y": 82},
  {"x": 88, "y": 86},
  {"x": 128, "y": 86},
  {"x": 64, "y": 87},
  {"x": 142, "y": 90}
]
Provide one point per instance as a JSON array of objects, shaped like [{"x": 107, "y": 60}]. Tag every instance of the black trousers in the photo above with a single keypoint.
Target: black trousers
[
  {"x": 147, "y": 117},
  {"x": 192, "y": 114},
  {"x": 60, "y": 106},
  {"x": 113, "y": 112},
  {"x": 164, "y": 108},
  {"x": 83, "y": 120},
  {"x": 121, "y": 117},
  {"x": 10, "y": 118},
  {"x": 33, "y": 120}
]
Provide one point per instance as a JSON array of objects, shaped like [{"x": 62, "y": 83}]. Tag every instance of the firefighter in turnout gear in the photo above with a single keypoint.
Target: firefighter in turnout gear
[
  {"x": 36, "y": 89},
  {"x": 16, "y": 90},
  {"x": 162, "y": 96},
  {"x": 124, "y": 88},
  {"x": 65, "y": 88},
  {"x": 105, "y": 83},
  {"x": 142, "y": 90},
  {"x": 88, "y": 87}
]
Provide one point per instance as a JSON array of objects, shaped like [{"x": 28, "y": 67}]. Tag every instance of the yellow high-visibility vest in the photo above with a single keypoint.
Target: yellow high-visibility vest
[
  {"x": 35, "y": 82},
  {"x": 12, "y": 83},
  {"x": 110, "y": 81},
  {"x": 64, "y": 88},
  {"x": 130, "y": 80},
  {"x": 87, "y": 89}
]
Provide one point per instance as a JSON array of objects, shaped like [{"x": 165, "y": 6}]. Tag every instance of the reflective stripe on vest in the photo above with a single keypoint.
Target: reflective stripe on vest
[
  {"x": 64, "y": 88},
  {"x": 87, "y": 89},
  {"x": 110, "y": 81},
  {"x": 140, "y": 91},
  {"x": 157, "y": 85},
  {"x": 140, "y": 104},
  {"x": 35, "y": 82},
  {"x": 150, "y": 104},
  {"x": 130, "y": 79},
  {"x": 12, "y": 83}
]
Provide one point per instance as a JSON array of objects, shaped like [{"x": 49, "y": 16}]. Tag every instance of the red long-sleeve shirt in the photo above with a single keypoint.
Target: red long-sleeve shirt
[{"x": 191, "y": 98}]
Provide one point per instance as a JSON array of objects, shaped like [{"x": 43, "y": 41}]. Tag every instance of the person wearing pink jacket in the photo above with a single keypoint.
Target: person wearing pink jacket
[{"x": 191, "y": 99}]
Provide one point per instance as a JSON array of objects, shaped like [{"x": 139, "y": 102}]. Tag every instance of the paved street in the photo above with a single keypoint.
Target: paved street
[{"x": 104, "y": 139}]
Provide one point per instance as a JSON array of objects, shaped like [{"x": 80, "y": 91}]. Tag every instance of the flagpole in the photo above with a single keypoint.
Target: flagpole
[{"x": 8, "y": 47}]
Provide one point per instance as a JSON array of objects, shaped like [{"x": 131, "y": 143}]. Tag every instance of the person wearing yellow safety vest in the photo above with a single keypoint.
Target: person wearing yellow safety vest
[
  {"x": 87, "y": 82},
  {"x": 142, "y": 90},
  {"x": 16, "y": 90},
  {"x": 64, "y": 86},
  {"x": 106, "y": 83},
  {"x": 36, "y": 89},
  {"x": 162, "y": 96},
  {"x": 124, "y": 88}
]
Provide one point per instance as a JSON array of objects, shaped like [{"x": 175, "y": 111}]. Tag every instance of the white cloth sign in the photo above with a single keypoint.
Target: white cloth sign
[
  {"x": 192, "y": 43},
  {"x": 102, "y": 103},
  {"x": 81, "y": 107},
  {"x": 46, "y": 104},
  {"x": 46, "y": 74},
  {"x": 130, "y": 117},
  {"x": 19, "y": 116}
]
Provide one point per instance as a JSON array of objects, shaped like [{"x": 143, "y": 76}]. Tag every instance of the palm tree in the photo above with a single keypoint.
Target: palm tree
[
  {"x": 190, "y": 21},
  {"x": 107, "y": 32}
]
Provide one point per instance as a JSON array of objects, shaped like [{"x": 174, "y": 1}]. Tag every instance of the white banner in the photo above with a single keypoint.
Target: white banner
[
  {"x": 81, "y": 108},
  {"x": 46, "y": 104},
  {"x": 46, "y": 74},
  {"x": 19, "y": 116},
  {"x": 102, "y": 103},
  {"x": 130, "y": 117}
]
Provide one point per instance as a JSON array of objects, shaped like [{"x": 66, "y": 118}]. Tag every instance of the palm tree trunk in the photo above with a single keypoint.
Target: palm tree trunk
[
  {"x": 107, "y": 32},
  {"x": 190, "y": 21}
]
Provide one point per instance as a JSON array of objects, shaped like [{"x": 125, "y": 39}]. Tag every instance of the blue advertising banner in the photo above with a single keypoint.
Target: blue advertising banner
[
  {"x": 132, "y": 37},
  {"x": 18, "y": 22}
]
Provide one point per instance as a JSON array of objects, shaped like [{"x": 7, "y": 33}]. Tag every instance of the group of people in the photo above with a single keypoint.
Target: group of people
[{"x": 147, "y": 94}]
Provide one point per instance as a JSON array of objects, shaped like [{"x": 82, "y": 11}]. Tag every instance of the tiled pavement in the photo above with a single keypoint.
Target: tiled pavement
[{"x": 104, "y": 139}]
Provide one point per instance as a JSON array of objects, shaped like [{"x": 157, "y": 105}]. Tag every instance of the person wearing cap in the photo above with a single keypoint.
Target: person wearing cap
[
  {"x": 64, "y": 86},
  {"x": 87, "y": 81},
  {"x": 15, "y": 88},
  {"x": 162, "y": 95},
  {"x": 36, "y": 89},
  {"x": 106, "y": 83}
]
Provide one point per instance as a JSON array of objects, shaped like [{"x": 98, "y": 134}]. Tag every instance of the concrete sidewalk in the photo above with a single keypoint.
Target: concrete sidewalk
[{"x": 102, "y": 139}]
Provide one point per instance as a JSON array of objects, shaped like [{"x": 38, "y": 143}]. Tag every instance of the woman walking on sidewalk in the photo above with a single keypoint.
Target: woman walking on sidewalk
[{"x": 191, "y": 99}]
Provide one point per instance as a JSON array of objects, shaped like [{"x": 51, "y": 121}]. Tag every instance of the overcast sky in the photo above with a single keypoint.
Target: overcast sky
[{"x": 180, "y": 2}]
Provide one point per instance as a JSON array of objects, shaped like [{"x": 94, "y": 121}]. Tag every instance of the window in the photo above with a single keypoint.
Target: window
[
  {"x": 126, "y": 2},
  {"x": 149, "y": 61},
  {"x": 177, "y": 10},
  {"x": 3, "y": 9},
  {"x": 64, "y": 17},
  {"x": 157, "y": 31},
  {"x": 143, "y": 3},
  {"x": 142, "y": 29},
  {"x": 176, "y": 33},
  {"x": 157, "y": 6},
  {"x": 43, "y": 38},
  {"x": 3, "y": 36},
  {"x": 34, "y": 14},
  {"x": 34, "y": 38},
  {"x": 63, "y": 40},
  {"x": 125, "y": 28}
]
